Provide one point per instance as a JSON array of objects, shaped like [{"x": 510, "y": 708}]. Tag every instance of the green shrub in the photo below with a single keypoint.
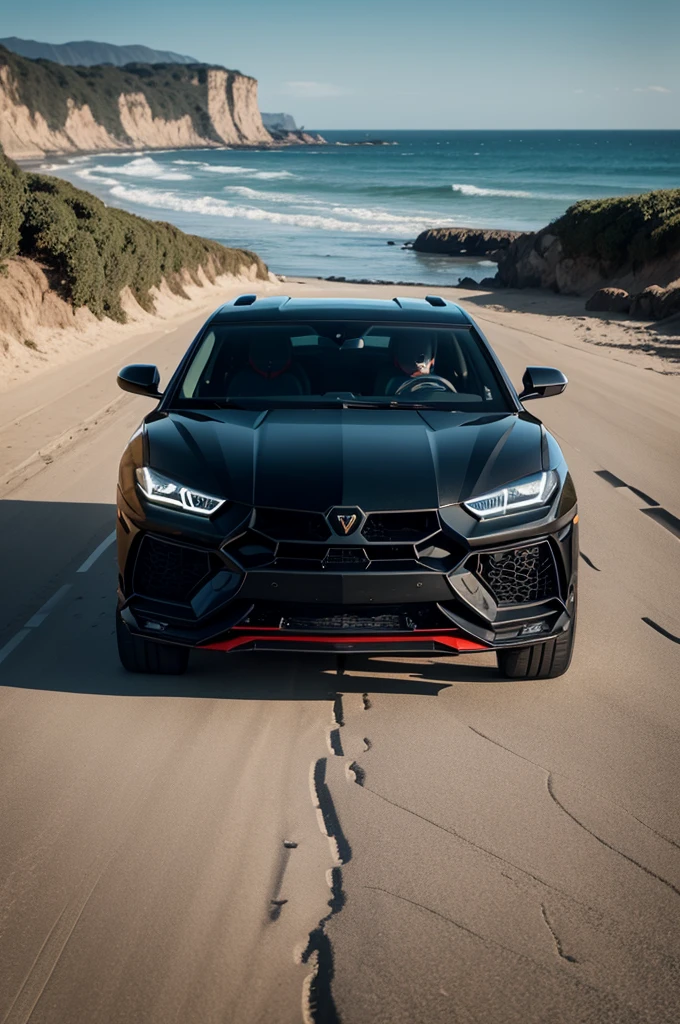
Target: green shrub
[
  {"x": 626, "y": 230},
  {"x": 12, "y": 202},
  {"x": 96, "y": 251}
]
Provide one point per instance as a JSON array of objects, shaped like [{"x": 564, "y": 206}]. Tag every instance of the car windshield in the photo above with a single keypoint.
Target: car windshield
[{"x": 325, "y": 364}]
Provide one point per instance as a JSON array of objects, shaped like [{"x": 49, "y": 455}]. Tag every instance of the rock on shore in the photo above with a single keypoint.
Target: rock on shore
[{"x": 465, "y": 242}]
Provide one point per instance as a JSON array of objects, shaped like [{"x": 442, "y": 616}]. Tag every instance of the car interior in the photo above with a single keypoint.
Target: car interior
[{"x": 297, "y": 360}]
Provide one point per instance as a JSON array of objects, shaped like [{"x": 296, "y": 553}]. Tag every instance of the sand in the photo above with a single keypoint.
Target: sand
[{"x": 40, "y": 331}]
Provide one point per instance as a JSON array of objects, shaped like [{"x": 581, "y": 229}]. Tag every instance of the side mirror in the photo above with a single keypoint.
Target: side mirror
[
  {"x": 542, "y": 382},
  {"x": 140, "y": 379}
]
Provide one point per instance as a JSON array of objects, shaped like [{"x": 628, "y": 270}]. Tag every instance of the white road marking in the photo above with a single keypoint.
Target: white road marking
[
  {"x": 89, "y": 562},
  {"x": 14, "y": 642},
  {"x": 42, "y": 613}
]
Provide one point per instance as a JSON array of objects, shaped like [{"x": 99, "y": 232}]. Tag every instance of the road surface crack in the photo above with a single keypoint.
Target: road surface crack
[
  {"x": 556, "y": 939},
  {"x": 318, "y": 1005},
  {"x": 599, "y": 795},
  {"x": 609, "y": 846},
  {"x": 326, "y": 813},
  {"x": 483, "y": 849},
  {"x": 589, "y": 562},
  {"x": 457, "y": 924}
]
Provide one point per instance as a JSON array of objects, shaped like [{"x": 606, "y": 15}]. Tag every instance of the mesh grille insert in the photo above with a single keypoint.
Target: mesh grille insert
[{"x": 520, "y": 574}]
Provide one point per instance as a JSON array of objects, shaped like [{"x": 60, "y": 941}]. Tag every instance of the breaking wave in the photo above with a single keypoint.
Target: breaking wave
[
  {"x": 474, "y": 190},
  {"x": 145, "y": 167},
  {"x": 367, "y": 221},
  {"x": 250, "y": 171},
  {"x": 95, "y": 175}
]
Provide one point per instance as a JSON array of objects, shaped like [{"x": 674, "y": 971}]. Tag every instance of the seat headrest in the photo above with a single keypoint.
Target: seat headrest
[
  {"x": 414, "y": 351},
  {"x": 270, "y": 356}
]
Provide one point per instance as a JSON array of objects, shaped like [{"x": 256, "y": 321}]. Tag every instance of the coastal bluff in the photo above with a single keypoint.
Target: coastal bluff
[
  {"x": 48, "y": 108},
  {"x": 628, "y": 242}
]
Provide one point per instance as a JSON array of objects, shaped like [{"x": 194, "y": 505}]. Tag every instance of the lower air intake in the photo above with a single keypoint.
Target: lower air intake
[
  {"x": 169, "y": 572},
  {"x": 520, "y": 575}
]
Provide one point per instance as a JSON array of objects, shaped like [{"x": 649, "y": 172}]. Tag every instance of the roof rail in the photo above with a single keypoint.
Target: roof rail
[
  {"x": 435, "y": 300},
  {"x": 245, "y": 300}
]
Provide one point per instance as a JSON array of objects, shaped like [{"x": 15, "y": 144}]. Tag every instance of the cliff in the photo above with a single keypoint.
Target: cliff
[
  {"x": 49, "y": 108},
  {"x": 465, "y": 241},
  {"x": 630, "y": 242},
  {"x": 86, "y": 52}
]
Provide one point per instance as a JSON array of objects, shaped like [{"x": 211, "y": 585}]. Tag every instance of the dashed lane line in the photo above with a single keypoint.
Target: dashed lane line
[
  {"x": 99, "y": 550},
  {"x": 42, "y": 613},
  {"x": 39, "y": 617}
]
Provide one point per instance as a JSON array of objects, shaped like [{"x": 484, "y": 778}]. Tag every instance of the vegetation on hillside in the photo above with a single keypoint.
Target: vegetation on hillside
[
  {"x": 622, "y": 231},
  {"x": 96, "y": 251},
  {"x": 172, "y": 90}
]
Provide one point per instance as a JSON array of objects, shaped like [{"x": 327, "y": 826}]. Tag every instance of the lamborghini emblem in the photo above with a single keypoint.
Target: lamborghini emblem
[{"x": 347, "y": 522}]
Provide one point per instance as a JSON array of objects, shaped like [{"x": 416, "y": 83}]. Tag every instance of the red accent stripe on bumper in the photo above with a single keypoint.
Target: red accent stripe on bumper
[{"x": 455, "y": 643}]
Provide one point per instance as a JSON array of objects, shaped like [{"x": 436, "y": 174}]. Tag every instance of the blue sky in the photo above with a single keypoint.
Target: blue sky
[{"x": 411, "y": 63}]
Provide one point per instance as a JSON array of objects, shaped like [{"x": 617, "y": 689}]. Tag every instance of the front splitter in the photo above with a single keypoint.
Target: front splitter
[{"x": 420, "y": 642}]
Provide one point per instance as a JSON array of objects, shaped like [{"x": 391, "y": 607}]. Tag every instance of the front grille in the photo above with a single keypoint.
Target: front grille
[
  {"x": 351, "y": 558},
  {"x": 284, "y": 524},
  {"x": 354, "y": 623},
  {"x": 305, "y": 618},
  {"x": 520, "y": 575},
  {"x": 399, "y": 527},
  {"x": 169, "y": 572}
]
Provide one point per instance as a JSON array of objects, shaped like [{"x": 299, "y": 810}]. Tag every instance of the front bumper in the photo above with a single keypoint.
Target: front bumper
[{"x": 454, "y": 594}]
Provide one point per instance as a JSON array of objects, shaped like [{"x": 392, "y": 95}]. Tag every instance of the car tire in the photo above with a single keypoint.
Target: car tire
[
  {"x": 139, "y": 655},
  {"x": 538, "y": 661}
]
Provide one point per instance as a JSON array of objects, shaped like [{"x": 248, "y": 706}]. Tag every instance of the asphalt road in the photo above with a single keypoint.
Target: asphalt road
[{"x": 271, "y": 839}]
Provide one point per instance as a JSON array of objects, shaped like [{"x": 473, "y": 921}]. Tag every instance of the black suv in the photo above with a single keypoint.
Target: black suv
[{"x": 348, "y": 476}]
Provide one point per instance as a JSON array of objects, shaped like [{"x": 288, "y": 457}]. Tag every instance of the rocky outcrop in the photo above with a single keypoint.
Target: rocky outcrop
[
  {"x": 47, "y": 108},
  {"x": 465, "y": 242},
  {"x": 656, "y": 303},
  {"x": 609, "y": 300},
  {"x": 630, "y": 242}
]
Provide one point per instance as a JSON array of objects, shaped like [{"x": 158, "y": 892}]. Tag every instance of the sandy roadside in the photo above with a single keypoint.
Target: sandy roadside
[
  {"x": 39, "y": 332},
  {"x": 652, "y": 344}
]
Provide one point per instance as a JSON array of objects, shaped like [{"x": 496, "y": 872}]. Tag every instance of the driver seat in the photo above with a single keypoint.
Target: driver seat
[
  {"x": 410, "y": 350},
  {"x": 270, "y": 371}
]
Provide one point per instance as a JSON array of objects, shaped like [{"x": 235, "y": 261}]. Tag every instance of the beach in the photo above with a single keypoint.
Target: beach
[{"x": 332, "y": 210}]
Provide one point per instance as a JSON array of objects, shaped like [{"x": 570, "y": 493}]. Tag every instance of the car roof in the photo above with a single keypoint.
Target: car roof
[{"x": 282, "y": 307}]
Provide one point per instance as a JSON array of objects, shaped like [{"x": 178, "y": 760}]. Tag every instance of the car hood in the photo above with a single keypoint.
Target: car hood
[{"x": 316, "y": 459}]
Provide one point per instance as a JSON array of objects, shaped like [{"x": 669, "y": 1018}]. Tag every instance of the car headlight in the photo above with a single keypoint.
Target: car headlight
[
  {"x": 164, "y": 491},
  {"x": 532, "y": 490}
]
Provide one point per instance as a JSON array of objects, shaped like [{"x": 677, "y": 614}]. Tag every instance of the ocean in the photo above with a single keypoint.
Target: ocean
[{"x": 332, "y": 210}]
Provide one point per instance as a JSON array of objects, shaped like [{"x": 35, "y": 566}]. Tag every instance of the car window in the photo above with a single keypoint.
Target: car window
[{"x": 386, "y": 364}]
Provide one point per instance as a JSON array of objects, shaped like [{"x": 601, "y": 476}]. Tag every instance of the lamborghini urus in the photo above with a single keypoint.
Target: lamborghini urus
[{"x": 345, "y": 476}]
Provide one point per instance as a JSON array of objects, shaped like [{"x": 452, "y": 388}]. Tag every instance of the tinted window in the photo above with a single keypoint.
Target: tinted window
[{"x": 384, "y": 363}]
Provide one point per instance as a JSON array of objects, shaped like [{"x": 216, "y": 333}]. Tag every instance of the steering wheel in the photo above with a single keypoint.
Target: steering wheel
[{"x": 429, "y": 380}]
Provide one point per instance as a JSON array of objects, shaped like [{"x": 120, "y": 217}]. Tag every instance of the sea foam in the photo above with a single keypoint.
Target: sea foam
[{"x": 213, "y": 207}]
